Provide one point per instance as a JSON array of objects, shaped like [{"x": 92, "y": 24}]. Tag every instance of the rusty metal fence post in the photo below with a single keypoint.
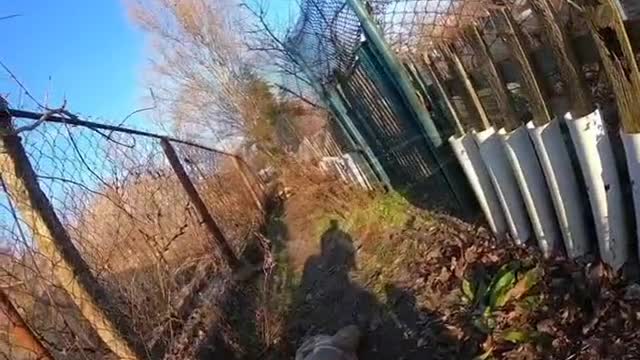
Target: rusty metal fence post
[
  {"x": 19, "y": 332},
  {"x": 19, "y": 180},
  {"x": 226, "y": 250}
]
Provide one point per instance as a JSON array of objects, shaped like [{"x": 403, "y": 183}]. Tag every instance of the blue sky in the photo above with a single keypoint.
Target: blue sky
[
  {"x": 94, "y": 57},
  {"x": 90, "y": 50},
  {"x": 92, "y": 53}
]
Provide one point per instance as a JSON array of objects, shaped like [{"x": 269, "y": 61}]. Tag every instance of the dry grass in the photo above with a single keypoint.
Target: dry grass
[
  {"x": 142, "y": 239},
  {"x": 402, "y": 275}
]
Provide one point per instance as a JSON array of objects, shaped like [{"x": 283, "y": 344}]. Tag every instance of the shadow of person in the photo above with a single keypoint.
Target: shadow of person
[
  {"x": 328, "y": 300},
  {"x": 336, "y": 259}
]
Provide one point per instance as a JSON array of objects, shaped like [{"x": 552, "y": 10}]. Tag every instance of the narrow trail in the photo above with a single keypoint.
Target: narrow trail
[{"x": 402, "y": 283}]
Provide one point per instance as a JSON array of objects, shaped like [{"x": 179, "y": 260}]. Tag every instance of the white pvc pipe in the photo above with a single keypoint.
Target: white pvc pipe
[
  {"x": 468, "y": 155},
  {"x": 495, "y": 159},
  {"x": 563, "y": 186},
  {"x": 632, "y": 150},
  {"x": 533, "y": 188},
  {"x": 603, "y": 186}
]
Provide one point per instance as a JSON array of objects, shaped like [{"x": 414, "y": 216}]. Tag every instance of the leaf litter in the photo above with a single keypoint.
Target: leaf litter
[{"x": 437, "y": 287}]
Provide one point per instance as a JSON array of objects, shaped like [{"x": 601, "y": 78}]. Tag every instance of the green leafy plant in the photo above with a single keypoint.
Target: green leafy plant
[
  {"x": 485, "y": 355},
  {"x": 502, "y": 283},
  {"x": 511, "y": 283},
  {"x": 516, "y": 336}
]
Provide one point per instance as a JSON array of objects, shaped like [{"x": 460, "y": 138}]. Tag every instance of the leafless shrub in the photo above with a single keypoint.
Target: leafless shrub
[{"x": 130, "y": 219}]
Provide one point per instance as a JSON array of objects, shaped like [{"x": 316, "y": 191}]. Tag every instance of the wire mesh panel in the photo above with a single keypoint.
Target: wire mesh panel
[
  {"x": 413, "y": 26},
  {"x": 217, "y": 179},
  {"x": 396, "y": 138},
  {"x": 325, "y": 37},
  {"x": 552, "y": 69},
  {"x": 454, "y": 88},
  {"x": 132, "y": 222}
]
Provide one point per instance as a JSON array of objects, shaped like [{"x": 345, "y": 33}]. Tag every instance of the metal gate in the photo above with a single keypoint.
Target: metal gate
[{"x": 394, "y": 135}]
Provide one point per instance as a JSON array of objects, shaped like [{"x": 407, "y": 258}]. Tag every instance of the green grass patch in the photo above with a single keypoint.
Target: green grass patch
[
  {"x": 384, "y": 263},
  {"x": 388, "y": 211},
  {"x": 374, "y": 218}
]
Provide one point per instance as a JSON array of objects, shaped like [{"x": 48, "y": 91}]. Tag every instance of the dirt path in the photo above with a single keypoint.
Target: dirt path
[
  {"x": 402, "y": 275},
  {"x": 330, "y": 297},
  {"x": 422, "y": 286}
]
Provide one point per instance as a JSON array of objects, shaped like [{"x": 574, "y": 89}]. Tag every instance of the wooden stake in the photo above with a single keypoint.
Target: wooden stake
[
  {"x": 619, "y": 63},
  {"x": 449, "y": 52},
  {"x": 73, "y": 273},
  {"x": 559, "y": 41},
  {"x": 447, "y": 100},
  {"x": 531, "y": 81},
  {"x": 211, "y": 225},
  {"x": 496, "y": 81}
]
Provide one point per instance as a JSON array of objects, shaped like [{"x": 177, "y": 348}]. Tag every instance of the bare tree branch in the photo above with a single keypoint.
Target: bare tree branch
[
  {"x": 21, "y": 85},
  {"x": 273, "y": 45},
  {"x": 6, "y": 17},
  {"x": 298, "y": 96},
  {"x": 50, "y": 112}
]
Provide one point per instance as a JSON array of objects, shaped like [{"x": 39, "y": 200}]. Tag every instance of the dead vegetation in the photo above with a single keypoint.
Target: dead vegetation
[
  {"x": 422, "y": 285},
  {"x": 136, "y": 231}
]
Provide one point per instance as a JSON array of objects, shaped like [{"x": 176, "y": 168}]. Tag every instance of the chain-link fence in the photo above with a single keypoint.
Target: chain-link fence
[
  {"x": 325, "y": 38},
  {"x": 472, "y": 65},
  {"x": 329, "y": 35},
  {"x": 413, "y": 26},
  {"x": 136, "y": 227},
  {"x": 554, "y": 35},
  {"x": 385, "y": 114}
]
